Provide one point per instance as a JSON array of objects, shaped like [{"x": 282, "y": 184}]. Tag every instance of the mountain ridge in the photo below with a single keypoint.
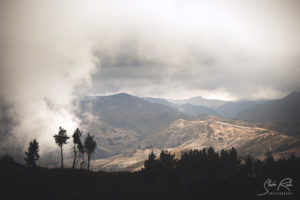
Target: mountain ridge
[
  {"x": 183, "y": 135},
  {"x": 127, "y": 127},
  {"x": 285, "y": 109}
]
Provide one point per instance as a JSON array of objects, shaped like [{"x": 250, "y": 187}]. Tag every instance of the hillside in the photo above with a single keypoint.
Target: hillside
[
  {"x": 285, "y": 109},
  {"x": 187, "y": 109},
  {"x": 198, "y": 134},
  {"x": 129, "y": 112},
  {"x": 127, "y": 128},
  {"x": 232, "y": 108},
  {"x": 200, "y": 101},
  {"x": 110, "y": 140}
]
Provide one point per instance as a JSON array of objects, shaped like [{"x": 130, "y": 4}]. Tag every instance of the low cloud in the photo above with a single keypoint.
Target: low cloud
[
  {"x": 47, "y": 59},
  {"x": 51, "y": 52},
  {"x": 245, "y": 50}
]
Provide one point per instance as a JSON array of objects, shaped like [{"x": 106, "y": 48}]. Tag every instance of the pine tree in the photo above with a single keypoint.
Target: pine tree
[
  {"x": 32, "y": 155},
  {"x": 61, "y": 139},
  {"x": 90, "y": 146},
  {"x": 234, "y": 158},
  {"x": 148, "y": 164},
  {"x": 166, "y": 159}
]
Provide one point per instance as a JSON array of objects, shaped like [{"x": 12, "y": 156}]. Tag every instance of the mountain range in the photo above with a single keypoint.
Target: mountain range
[
  {"x": 127, "y": 127},
  {"x": 182, "y": 135},
  {"x": 285, "y": 109}
]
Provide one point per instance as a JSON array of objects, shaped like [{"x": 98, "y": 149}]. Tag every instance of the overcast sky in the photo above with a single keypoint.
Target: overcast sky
[
  {"x": 217, "y": 49},
  {"x": 53, "y": 51}
]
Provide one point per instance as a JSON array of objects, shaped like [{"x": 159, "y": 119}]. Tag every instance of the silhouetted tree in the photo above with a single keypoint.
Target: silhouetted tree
[
  {"x": 90, "y": 146},
  {"x": 166, "y": 160},
  {"x": 32, "y": 155},
  {"x": 77, "y": 142},
  {"x": 211, "y": 154},
  {"x": 149, "y": 164},
  {"x": 195, "y": 176},
  {"x": 234, "y": 158},
  {"x": 61, "y": 139}
]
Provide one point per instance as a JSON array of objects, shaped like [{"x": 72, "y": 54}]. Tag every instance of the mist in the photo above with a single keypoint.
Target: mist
[{"x": 46, "y": 61}]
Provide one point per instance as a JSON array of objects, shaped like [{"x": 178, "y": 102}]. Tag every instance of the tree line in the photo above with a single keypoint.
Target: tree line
[
  {"x": 210, "y": 163},
  {"x": 219, "y": 175},
  {"x": 79, "y": 148},
  {"x": 195, "y": 174}
]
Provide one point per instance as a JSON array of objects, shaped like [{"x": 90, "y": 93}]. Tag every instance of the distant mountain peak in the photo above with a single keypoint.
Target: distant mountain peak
[
  {"x": 200, "y": 101},
  {"x": 122, "y": 94},
  {"x": 197, "y": 97}
]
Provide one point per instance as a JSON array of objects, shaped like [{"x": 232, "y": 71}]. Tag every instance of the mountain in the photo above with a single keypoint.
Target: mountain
[
  {"x": 159, "y": 101},
  {"x": 110, "y": 140},
  {"x": 231, "y": 108},
  {"x": 127, "y": 128},
  {"x": 187, "y": 108},
  {"x": 197, "y": 134},
  {"x": 285, "y": 109},
  {"x": 200, "y": 101},
  {"x": 212, "y": 131},
  {"x": 196, "y": 111},
  {"x": 129, "y": 112}
]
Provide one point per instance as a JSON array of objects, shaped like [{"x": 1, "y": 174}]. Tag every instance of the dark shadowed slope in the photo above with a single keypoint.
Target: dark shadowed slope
[
  {"x": 286, "y": 109},
  {"x": 200, "y": 101},
  {"x": 159, "y": 101},
  {"x": 231, "y": 109},
  {"x": 196, "y": 111},
  {"x": 130, "y": 112},
  {"x": 187, "y": 108}
]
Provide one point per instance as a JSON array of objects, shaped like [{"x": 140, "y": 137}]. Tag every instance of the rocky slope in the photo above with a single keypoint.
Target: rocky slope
[{"x": 182, "y": 135}]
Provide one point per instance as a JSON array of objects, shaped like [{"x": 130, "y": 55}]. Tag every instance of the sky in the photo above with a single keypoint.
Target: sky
[
  {"x": 217, "y": 49},
  {"x": 54, "y": 51}
]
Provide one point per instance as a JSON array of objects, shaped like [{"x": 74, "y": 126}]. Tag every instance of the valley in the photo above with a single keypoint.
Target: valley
[
  {"x": 128, "y": 128},
  {"x": 183, "y": 135}
]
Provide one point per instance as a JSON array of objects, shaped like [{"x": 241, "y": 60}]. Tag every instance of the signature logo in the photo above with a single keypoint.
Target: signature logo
[{"x": 281, "y": 188}]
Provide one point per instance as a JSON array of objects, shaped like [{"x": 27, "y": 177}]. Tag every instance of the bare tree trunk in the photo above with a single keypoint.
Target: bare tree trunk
[
  {"x": 75, "y": 156},
  {"x": 89, "y": 158},
  {"x": 62, "y": 158},
  {"x": 82, "y": 161}
]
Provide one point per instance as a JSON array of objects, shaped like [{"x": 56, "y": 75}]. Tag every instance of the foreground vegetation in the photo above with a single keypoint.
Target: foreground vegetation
[{"x": 198, "y": 174}]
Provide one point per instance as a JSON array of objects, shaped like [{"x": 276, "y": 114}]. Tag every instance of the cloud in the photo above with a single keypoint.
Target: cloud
[
  {"x": 47, "y": 59},
  {"x": 179, "y": 49},
  {"x": 51, "y": 52}
]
